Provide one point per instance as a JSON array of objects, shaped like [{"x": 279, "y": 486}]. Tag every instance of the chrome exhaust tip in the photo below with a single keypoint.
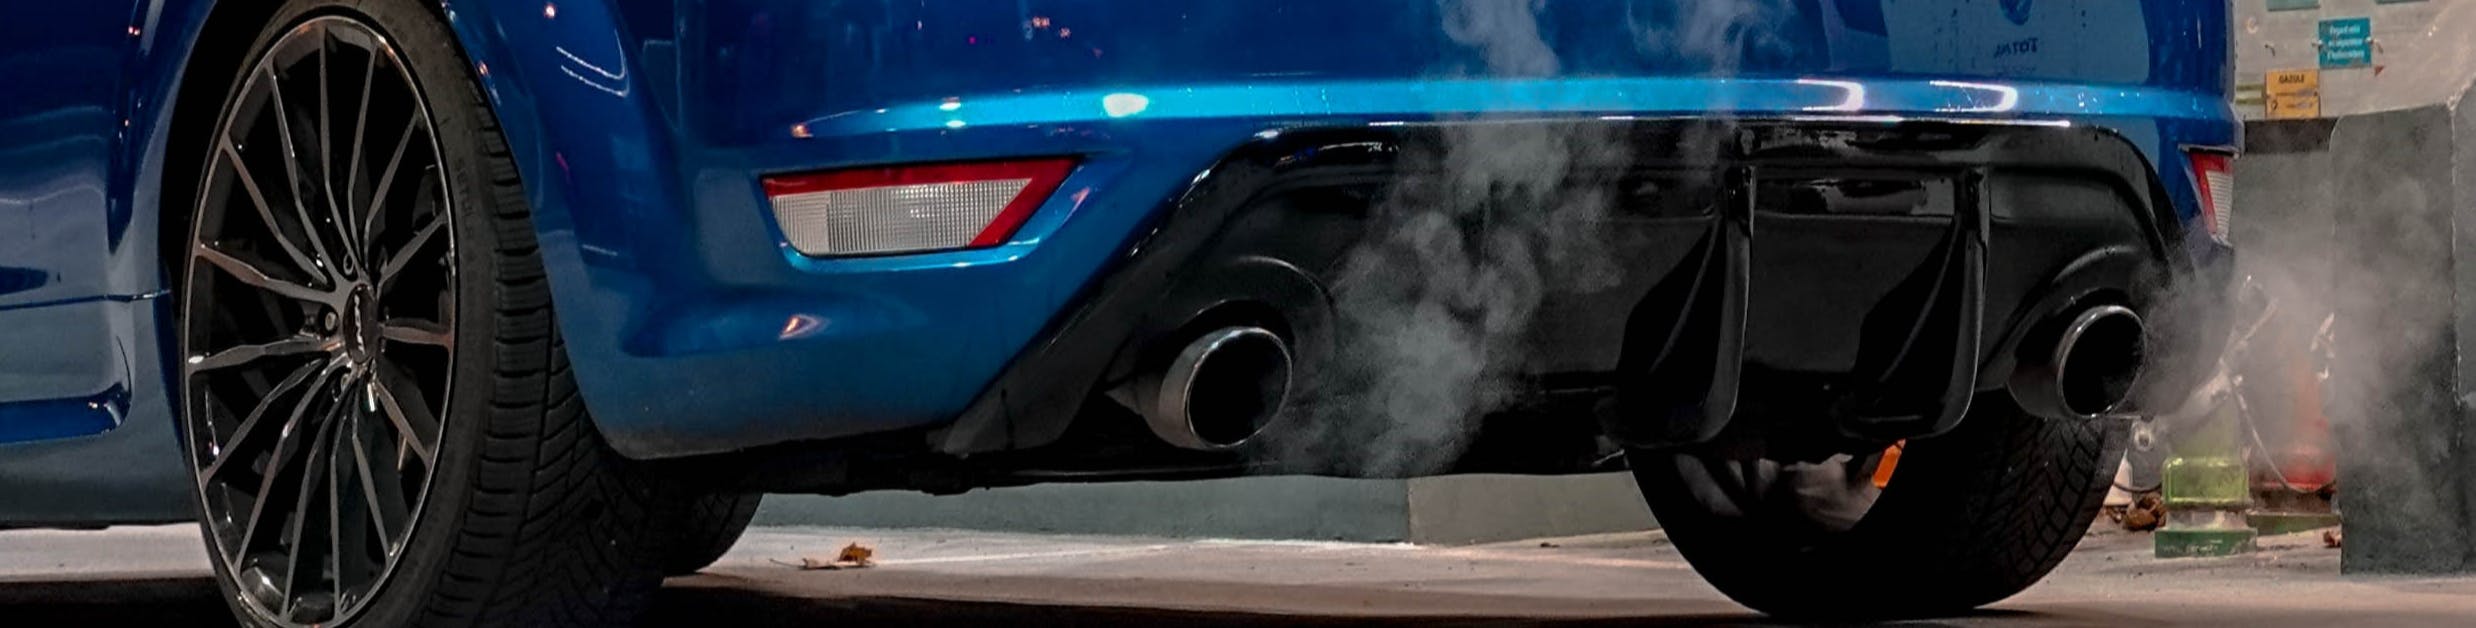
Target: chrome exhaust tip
[
  {"x": 2087, "y": 369},
  {"x": 1224, "y": 388}
]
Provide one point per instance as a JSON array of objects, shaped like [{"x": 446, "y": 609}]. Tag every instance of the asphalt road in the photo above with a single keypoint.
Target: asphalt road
[{"x": 155, "y": 576}]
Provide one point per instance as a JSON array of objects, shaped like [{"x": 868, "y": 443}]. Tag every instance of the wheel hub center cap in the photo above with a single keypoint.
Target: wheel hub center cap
[{"x": 359, "y": 328}]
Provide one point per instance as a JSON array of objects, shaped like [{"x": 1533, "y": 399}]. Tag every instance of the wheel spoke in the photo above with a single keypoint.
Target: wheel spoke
[
  {"x": 386, "y": 184},
  {"x": 252, "y": 275},
  {"x": 393, "y": 269},
  {"x": 400, "y": 397},
  {"x": 292, "y": 166},
  {"x": 349, "y": 515},
  {"x": 387, "y": 181},
  {"x": 352, "y": 171},
  {"x": 266, "y": 214},
  {"x": 287, "y": 448},
  {"x": 417, "y": 332},
  {"x": 326, "y": 137},
  {"x": 302, "y": 528},
  {"x": 381, "y": 488},
  {"x": 231, "y": 449},
  {"x": 343, "y": 228},
  {"x": 249, "y": 353}
]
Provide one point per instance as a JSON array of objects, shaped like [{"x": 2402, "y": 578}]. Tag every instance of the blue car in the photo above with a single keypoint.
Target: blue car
[{"x": 497, "y": 311}]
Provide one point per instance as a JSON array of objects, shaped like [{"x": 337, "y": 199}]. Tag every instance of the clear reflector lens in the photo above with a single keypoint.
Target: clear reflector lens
[
  {"x": 913, "y": 209},
  {"x": 2215, "y": 172}
]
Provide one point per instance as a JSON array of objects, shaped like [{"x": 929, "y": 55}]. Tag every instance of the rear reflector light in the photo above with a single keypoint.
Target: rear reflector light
[
  {"x": 911, "y": 209},
  {"x": 2214, "y": 173}
]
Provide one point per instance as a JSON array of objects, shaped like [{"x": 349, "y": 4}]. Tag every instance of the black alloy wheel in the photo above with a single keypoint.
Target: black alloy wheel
[{"x": 318, "y": 327}]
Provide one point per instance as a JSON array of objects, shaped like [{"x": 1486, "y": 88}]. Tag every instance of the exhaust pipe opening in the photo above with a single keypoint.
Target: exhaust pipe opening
[
  {"x": 2102, "y": 355},
  {"x": 1220, "y": 391},
  {"x": 2090, "y": 367}
]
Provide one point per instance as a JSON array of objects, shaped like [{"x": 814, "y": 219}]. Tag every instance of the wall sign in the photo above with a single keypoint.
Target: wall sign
[
  {"x": 2347, "y": 42},
  {"x": 2294, "y": 94}
]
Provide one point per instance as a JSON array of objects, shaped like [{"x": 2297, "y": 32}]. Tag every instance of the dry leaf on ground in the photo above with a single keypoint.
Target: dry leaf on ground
[
  {"x": 856, "y": 555},
  {"x": 853, "y": 556}
]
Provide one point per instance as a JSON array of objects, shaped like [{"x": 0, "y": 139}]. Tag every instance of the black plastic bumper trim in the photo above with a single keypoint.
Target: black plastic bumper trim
[{"x": 1679, "y": 377}]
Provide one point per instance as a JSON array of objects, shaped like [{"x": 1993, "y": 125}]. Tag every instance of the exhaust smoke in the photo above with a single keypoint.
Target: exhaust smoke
[{"x": 1432, "y": 304}]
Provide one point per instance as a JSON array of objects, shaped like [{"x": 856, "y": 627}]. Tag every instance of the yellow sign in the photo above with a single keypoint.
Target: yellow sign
[{"x": 2294, "y": 94}]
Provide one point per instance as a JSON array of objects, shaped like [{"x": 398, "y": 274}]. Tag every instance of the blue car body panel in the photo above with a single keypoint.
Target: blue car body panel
[
  {"x": 86, "y": 425},
  {"x": 642, "y": 127}
]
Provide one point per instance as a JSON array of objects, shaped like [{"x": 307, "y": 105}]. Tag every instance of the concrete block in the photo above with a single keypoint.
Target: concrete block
[
  {"x": 1482, "y": 508},
  {"x": 1441, "y": 510},
  {"x": 2372, "y": 218}
]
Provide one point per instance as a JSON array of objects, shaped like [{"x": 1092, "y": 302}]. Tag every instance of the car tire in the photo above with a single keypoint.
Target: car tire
[
  {"x": 703, "y": 528},
  {"x": 515, "y": 512},
  {"x": 1965, "y": 519}
]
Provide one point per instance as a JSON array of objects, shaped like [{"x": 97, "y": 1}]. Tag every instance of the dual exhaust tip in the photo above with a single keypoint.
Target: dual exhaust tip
[
  {"x": 1221, "y": 390},
  {"x": 1226, "y": 386},
  {"x": 2083, "y": 366}
]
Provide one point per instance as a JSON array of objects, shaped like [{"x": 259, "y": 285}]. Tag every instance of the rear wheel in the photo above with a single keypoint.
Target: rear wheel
[
  {"x": 376, "y": 401},
  {"x": 1963, "y": 520}
]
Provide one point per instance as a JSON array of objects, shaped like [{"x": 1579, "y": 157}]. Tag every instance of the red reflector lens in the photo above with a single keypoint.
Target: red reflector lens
[
  {"x": 2214, "y": 174},
  {"x": 911, "y": 209}
]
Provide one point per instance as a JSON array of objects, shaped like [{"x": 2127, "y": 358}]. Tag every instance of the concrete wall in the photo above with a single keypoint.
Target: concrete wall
[{"x": 2423, "y": 55}]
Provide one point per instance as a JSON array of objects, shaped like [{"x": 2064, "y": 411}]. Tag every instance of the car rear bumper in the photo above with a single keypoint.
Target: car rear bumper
[
  {"x": 642, "y": 129},
  {"x": 756, "y": 344}
]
